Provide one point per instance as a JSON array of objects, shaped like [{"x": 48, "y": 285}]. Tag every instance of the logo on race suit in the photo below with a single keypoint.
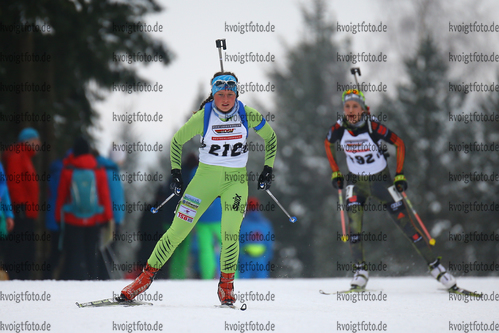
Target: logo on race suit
[
  {"x": 186, "y": 213},
  {"x": 416, "y": 238},
  {"x": 357, "y": 146},
  {"x": 352, "y": 201},
  {"x": 396, "y": 205},
  {"x": 225, "y": 138},
  {"x": 225, "y": 129},
  {"x": 354, "y": 238},
  {"x": 237, "y": 202},
  {"x": 401, "y": 215},
  {"x": 190, "y": 201}
]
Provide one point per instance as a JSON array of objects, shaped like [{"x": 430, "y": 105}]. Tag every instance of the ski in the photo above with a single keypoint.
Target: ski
[
  {"x": 243, "y": 306},
  {"x": 461, "y": 291},
  {"x": 352, "y": 290},
  {"x": 110, "y": 302}
]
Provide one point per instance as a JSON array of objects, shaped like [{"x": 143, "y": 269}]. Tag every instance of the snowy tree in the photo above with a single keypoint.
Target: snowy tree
[{"x": 305, "y": 107}]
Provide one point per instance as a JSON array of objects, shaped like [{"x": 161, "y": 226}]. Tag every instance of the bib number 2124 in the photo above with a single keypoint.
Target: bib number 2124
[{"x": 234, "y": 151}]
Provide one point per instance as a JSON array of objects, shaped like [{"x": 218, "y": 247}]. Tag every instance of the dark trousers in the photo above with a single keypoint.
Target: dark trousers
[
  {"x": 80, "y": 249},
  {"x": 20, "y": 249},
  {"x": 53, "y": 256},
  {"x": 376, "y": 186}
]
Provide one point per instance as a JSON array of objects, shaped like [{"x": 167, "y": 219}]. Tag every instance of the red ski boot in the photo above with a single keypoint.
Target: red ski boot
[
  {"x": 226, "y": 289},
  {"x": 141, "y": 283}
]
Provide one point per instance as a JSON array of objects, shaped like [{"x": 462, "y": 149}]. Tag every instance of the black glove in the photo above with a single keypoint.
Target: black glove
[
  {"x": 265, "y": 178},
  {"x": 400, "y": 182},
  {"x": 177, "y": 182},
  {"x": 337, "y": 179}
]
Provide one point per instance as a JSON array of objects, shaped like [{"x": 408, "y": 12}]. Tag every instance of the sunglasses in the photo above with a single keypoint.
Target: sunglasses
[
  {"x": 351, "y": 91},
  {"x": 222, "y": 83}
]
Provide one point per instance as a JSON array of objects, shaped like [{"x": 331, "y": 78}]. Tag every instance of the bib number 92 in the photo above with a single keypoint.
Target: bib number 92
[
  {"x": 363, "y": 159},
  {"x": 226, "y": 149}
]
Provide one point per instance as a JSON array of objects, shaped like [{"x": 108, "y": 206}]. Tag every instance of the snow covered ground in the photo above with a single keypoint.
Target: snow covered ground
[{"x": 411, "y": 304}]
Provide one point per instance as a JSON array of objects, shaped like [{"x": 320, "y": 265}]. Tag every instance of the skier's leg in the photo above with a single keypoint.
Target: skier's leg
[
  {"x": 400, "y": 215},
  {"x": 198, "y": 196},
  {"x": 233, "y": 198},
  {"x": 356, "y": 195}
]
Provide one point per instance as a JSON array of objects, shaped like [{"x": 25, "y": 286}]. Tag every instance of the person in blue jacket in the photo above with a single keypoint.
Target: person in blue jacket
[
  {"x": 50, "y": 223},
  {"x": 115, "y": 188},
  {"x": 256, "y": 238},
  {"x": 6, "y": 218}
]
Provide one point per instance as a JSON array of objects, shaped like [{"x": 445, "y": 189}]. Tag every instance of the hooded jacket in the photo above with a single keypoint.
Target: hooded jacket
[
  {"x": 18, "y": 162},
  {"x": 86, "y": 161}
]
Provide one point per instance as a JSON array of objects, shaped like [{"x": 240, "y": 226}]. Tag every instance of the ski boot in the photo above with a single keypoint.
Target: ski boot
[
  {"x": 360, "y": 276},
  {"x": 141, "y": 283},
  {"x": 440, "y": 273},
  {"x": 226, "y": 289}
]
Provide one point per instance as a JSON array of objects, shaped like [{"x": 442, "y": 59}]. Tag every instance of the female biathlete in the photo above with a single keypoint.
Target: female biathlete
[
  {"x": 223, "y": 123},
  {"x": 360, "y": 138}
]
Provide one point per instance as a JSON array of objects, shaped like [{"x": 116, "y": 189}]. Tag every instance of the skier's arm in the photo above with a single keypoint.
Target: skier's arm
[
  {"x": 263, "y": 129},
  {"x": 382, "y": 132},
  {"x": 63, "y": 192},
  {"x": 333, "y": 135},
  {"x": 190, "y": 129}
]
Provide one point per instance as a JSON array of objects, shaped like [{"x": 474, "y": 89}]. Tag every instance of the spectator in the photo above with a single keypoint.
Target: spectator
[
  {"x": 6, "y": 219},
  {"x": 54, "y": 254},
  {"x": 111, "y": 165},
  {"x": 25, "y": 199},
  {"x": 83, "y": 204},
  {"x": 256, "y": 237}
]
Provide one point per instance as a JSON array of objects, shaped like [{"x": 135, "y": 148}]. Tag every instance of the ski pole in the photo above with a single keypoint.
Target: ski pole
[
  {"x": 344, "y": 238},
  {"x": 221, "y": 44},
  {"x": 155, "y": 210},
  {"x": 432, "y": 240},
  {"x": 291, "y": 219}
]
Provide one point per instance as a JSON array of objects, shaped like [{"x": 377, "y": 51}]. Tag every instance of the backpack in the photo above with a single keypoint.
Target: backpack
[{"x": 84, "y": 199}]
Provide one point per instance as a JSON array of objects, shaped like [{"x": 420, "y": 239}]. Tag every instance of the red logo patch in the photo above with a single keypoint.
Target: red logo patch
[{"x": 401, "y": 215}]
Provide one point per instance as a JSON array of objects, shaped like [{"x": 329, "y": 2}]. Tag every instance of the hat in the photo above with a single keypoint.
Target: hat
[
  {"x": 354, "y": 95},
  {"x": 223, "y": 82},
  {"x": 81, "y": 147},
  {"x": 28, "y": 133}
]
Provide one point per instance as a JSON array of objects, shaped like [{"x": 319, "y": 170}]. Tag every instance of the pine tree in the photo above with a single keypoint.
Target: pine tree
[
  {"x": 419, "y": 115},
  {"x": 305, "y": 107}
]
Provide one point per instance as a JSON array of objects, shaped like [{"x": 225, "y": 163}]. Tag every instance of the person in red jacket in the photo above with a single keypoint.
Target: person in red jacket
[
  {"x": 83, "y": 205},
  {"x": 24, "y": 193}
]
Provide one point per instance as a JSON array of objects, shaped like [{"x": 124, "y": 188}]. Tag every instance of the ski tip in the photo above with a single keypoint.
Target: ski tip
[{"x": 244, "y": 307}]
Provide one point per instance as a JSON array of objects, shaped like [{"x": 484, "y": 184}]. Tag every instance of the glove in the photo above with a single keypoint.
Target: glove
[
  {"x": 337, "y": 179},
  {"x": 400, "y": 182},
  {"x": 265, "y": 178},
  {"x": 177, "y": 182}
]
